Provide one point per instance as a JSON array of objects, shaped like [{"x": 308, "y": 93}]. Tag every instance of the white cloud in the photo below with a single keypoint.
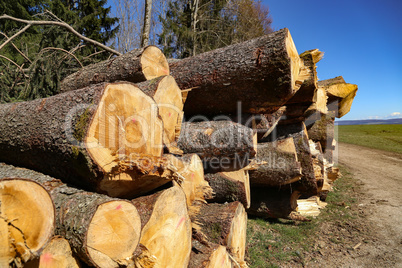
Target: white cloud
[{"x": 390, "y": 116}]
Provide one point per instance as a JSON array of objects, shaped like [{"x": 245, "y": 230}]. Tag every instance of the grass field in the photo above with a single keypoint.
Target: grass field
[
  {"x": 382, "y": 137},
  {"x": 278, "y": 242}
]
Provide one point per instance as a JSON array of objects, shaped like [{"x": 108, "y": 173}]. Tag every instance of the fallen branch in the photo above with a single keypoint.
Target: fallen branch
[
  {"x": 62, "y": 24},
  {"x": 19, "y": 51}
]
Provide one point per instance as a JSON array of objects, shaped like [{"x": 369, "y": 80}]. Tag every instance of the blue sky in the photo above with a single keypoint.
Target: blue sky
[{"x": 362, "y": 41}]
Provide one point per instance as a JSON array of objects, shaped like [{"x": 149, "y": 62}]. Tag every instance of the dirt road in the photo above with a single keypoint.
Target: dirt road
[{"x": 380, "y": 174}]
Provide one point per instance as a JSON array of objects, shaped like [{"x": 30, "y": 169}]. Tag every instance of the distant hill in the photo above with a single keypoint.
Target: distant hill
[{"x": 369, "y": 122}]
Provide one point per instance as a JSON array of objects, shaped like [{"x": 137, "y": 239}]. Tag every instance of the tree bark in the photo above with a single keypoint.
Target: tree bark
[
  {"x": 147, "y": 23},
  {"x": 223, "y": 224},
  {"x": 135, "y": 66},
  {"x": 27, "y": 220},
  {"x": 322, "y": 131},
  {"x": 209, "y": 256},
  {"x": 229, "y": 187},
  {"x": 166, "y": 227},
  {"x": 278, "y": 164},
  {"x": 105, "y": 138},
  {"x": 273, "y": 202},
  {"x": 262, "y": 74},
  {"x": 267, "y": 123},
  {"x": 222, "y": 145},
  {"x": 88, "y": 220},
  {"x": 307, "y": 185}
]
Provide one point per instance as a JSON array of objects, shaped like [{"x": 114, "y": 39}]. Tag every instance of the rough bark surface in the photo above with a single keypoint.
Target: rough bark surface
[
  {"x": 307, "y": 185},
  {"x": 209, "y": 256},
  {"x": 279, "y": 164},
  {"x": 273, "y": 202},
  {"x": 224, "y": 224},
  {"x": 222, "y": 145},
  {"x": 51, "y": 136},
  {"x": 75, "y": 211},
  {"x": 229, "y": 187},
  {"x": 127, "y": 67},
  {"x": 34, "y": 134},
  {"x": 322, "y": 131},
  {"x": 257, "y": 73}
]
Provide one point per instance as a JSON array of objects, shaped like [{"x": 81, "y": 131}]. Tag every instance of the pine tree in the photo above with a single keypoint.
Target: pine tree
[
  {"x": 196, "y": 26},
  {"x": 47, "y": 46}
]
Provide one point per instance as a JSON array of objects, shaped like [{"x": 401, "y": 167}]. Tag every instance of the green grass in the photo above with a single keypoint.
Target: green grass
[
  {"x": 272, "y": 243},
  {"x": 382, "y": 137}
]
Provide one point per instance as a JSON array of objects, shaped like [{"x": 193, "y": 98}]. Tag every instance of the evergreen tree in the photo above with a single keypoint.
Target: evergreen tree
[
  {"x": 47, "y": 46},
  {"x": 196, "y": 26}
]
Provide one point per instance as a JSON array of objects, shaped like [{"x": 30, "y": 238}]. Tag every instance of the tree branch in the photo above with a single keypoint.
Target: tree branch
[
  {"x": 19, "y": 51},
  {"x": 19, "y": 67},
  {"x": 15, "y": 35},
  {"x": 62, "y": 24},
  {"x": 56, "y": 48}
]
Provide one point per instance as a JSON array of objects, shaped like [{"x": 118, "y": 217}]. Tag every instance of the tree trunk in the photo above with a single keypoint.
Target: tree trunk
[
  {"x": 267, "y": 123},
  {"x": 222, "y": 145},
  {"x": 209, "y": 256},
  {"x": 307, "y": 91},
  {"x": 147, "y": 23},
  {"x": 192, "y": 181},
  {"x": 262, "y": 74},
  {"x": 322, "y": 131},
  {"x": 167, "y": 95},
  {"x": 308, "y": 99},
  {"x": 27, "y": 220},
  {"x": 88, "y": 220},
  {"x": 273, "y": 202},
  {"x": 278, "y": 164},
  {"x": 224, "y": 224},
  {"x": 135, "y": 66},
  {"x": 166, "y": 231},
  {"x": 318, "y": 163},
  {"x": 105, "y": 138},
  {"x": 340, "y": 95},
  {"x": 307, "y": 185},
  {"x": 230, "y": 186},
  {"x": 56, "y": 254}
]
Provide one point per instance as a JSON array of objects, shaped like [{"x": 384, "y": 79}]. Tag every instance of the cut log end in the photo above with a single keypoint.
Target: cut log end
[
  {"x": 220, "y": 258},
  {"x": 154, "y": 63},
  {"x": 170, "y": 103},
  {"x": 125, "y": 131},
  {"x": 58, "y": 254},
  {"x": 113, "y": 234},
  {"x": 167, "y": 234},
  {"x": 236, "y": 241},
  {"x": 121, "y": 129},
  {"x": 27, "y": 211},
  {"x": 230, "y": 186},
  {"x": 192, "y": 181}
]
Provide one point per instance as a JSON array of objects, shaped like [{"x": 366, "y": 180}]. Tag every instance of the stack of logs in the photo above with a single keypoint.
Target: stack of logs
[{"x": 147, "y": 162}]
